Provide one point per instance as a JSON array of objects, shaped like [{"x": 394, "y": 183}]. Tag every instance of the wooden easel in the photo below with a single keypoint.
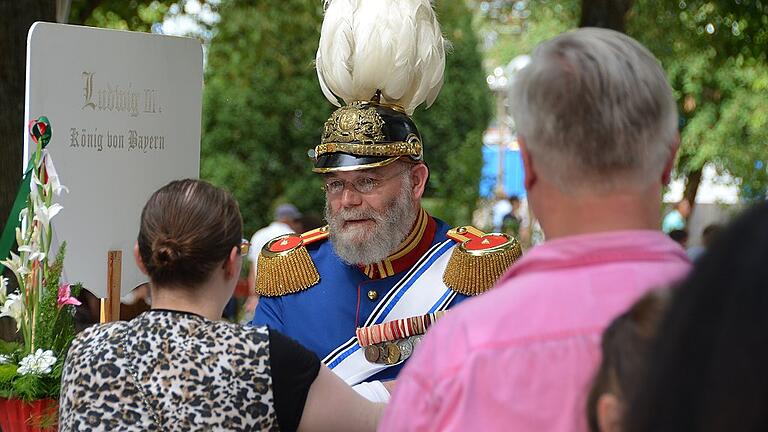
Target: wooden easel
[{"x": 110, "y": 306}]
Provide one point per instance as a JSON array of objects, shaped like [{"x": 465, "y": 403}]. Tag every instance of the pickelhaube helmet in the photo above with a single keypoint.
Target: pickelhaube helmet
[{"x": 383, "y": 58}]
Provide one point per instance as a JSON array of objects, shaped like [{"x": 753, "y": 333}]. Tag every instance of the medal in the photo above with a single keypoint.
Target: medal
[
  {"x": 406, "y": 348},
  {"x": 372, "y": 353},
  {"x": 415, "y": 340},
  {"x": 392, "y": 353}
]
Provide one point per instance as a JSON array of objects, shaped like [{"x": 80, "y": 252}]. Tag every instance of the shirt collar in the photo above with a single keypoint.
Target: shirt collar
[
  {"x": 411, "y": 249},
  {"x": 604, "y": 247}
]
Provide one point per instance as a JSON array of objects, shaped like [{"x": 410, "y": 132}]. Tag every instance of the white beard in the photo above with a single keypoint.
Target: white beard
[{"x": 362, "y": 245}]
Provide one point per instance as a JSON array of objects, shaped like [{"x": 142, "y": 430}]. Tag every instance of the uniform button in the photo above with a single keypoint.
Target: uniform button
[{"x": 373, "y": 295}]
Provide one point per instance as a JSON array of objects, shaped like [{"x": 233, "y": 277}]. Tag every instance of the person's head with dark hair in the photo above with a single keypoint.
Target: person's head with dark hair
[
  {"x": 707, "y": 369},
  {"x": 624, "y": 346},
  {"x": 189, "y": 241},
  {"x": 680, "y": 236},
  {"x": 515, "y": 201}
]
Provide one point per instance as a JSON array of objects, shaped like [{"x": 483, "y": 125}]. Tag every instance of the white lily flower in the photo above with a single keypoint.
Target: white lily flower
[
  {"x": 4, "y": 359},
  {"x": 37, "y": 256},
  {"x": 26, "y": 248},
  {"x": 22, "y": 228},
  {"x": 40, "y": 362},
  {"x": 44, "y": 214},
  {"x": 33, "y": 248},
  {"x": 34, "y": 182},
  {"x": 16, "y": 265},
  {"x": 14, "y": 308},
  {"x": 53, "y": 176},
  {"x": 3, "y": 288}
]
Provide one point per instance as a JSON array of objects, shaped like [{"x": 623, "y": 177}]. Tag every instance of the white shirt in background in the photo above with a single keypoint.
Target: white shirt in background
[{"x": 262, "y": 236}]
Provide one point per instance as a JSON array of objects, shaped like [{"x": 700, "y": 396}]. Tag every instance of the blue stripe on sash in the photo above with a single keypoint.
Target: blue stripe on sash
[
  {"x": 413, "y": 280},
  {"x": 440, "y": 302},
  {"x": 346, "y": 354}
]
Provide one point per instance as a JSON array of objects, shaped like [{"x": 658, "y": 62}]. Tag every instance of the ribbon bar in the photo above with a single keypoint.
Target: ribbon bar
[{"x": 394, "y": 330}]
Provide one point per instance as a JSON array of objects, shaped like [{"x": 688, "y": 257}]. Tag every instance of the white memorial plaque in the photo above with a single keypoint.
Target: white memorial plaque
[{"x": 125, "y": 112}]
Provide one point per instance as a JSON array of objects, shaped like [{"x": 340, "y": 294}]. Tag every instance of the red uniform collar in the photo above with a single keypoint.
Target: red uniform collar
[{"x": 416, "y": 244}]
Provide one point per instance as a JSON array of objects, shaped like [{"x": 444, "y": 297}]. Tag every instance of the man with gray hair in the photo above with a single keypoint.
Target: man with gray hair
[{"x": 597, "y": 128}]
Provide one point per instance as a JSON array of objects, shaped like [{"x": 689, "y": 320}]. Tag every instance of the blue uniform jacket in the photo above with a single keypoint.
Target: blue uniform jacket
[{"x": 326, "y": 315}]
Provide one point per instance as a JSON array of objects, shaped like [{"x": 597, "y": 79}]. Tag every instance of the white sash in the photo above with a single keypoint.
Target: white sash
[{"x": 420, "y": 291}]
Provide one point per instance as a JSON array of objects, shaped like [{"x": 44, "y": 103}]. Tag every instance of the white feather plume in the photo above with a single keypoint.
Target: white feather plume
[{"x": 395, "y": 46}]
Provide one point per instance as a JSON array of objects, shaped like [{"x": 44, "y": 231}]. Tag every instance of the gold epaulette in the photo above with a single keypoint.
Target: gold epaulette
[
  {"x": 479, "y": 259},
  {"x": 284, "y": 265}
]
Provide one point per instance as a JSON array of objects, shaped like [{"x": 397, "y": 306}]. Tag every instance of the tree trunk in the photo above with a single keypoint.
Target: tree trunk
[
  {"x": 15, "y": 19},
  {"x": 692, "y": 181},
  {"x": 611, "y": 14}
]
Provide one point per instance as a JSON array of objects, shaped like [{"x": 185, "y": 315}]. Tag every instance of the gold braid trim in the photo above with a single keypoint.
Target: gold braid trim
[
  {"x": 411, "y": 148},
  {"x": 475, "y": 272},
  {"x": 287, "y": 273}
]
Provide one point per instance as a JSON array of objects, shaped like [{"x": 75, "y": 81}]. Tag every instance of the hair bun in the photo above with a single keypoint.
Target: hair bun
[{"x": 166, "y": 252}]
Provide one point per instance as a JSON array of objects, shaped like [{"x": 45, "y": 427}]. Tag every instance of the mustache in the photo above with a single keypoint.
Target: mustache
[{"x": 347, "y": 215}]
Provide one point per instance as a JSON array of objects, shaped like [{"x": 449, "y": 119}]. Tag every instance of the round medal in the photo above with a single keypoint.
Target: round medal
[
  {"x": 392, "y": 353},
  {"x": 406, "y": 348},
  {"x": 415, "y": 340},
  {"x": 372, "y": 353}
]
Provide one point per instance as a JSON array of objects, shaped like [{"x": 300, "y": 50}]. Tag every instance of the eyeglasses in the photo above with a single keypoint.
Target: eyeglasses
[
  {"x": 245, "y": 246},
  {"x": 363, "y": 185}
]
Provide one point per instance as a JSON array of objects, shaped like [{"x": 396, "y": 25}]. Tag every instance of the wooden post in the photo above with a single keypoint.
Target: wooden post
[{"x": 110, "y": 306}]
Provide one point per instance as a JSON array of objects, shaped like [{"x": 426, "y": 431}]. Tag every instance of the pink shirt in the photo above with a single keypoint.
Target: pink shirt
[{"x": 521, "y": 357}]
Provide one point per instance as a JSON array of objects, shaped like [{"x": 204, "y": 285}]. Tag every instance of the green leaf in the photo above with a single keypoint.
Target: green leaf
[{"x": 8, "y": 347}]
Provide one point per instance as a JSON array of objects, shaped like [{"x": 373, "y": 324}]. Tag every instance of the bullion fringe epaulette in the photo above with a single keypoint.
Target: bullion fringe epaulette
[
  {"x": 284, "y": 265},
  {"x": 479, "y": 259}
]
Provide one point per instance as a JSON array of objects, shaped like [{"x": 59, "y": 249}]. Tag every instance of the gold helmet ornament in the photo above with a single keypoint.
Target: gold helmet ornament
[{"x": 382, "y": 58}]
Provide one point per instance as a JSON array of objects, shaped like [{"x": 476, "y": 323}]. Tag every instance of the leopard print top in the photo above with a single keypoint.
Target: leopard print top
[{"x": 197, "y": 374}]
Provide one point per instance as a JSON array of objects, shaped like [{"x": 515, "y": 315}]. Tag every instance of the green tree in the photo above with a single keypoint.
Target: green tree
[
  {"x": 545, "y": 19},
  {"x": 135, "y": 15},
  {"x": 610, "y": 14},
  {"x": 262, "y": 106},
  {"x": 452, "y": 129},
  {"x": 714, "y": 52}
]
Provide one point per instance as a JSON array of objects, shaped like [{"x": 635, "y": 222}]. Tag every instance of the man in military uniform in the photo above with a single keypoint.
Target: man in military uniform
[{"x": 362, "y": 290}]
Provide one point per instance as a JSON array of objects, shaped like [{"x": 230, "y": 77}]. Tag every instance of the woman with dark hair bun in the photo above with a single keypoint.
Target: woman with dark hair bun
[
  {"x": 178, "y": 367},
  {"x": 707, "y": 370}
]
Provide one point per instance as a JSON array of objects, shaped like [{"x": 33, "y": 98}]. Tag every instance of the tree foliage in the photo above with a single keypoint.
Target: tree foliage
[
  {"x": 135, "y": 15},
  {"x": 546, "y": 19},
  {"x": 452, "y": 129},
  {"x": 262, "y": 106},
  {"x": 714, "y": 52}
]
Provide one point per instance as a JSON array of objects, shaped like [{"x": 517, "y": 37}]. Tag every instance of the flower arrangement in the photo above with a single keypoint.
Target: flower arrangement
[{"x": 42, "y": 307}]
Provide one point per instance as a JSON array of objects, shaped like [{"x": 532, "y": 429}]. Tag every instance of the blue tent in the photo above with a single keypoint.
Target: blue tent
[{"x": 513, "y": 172}]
